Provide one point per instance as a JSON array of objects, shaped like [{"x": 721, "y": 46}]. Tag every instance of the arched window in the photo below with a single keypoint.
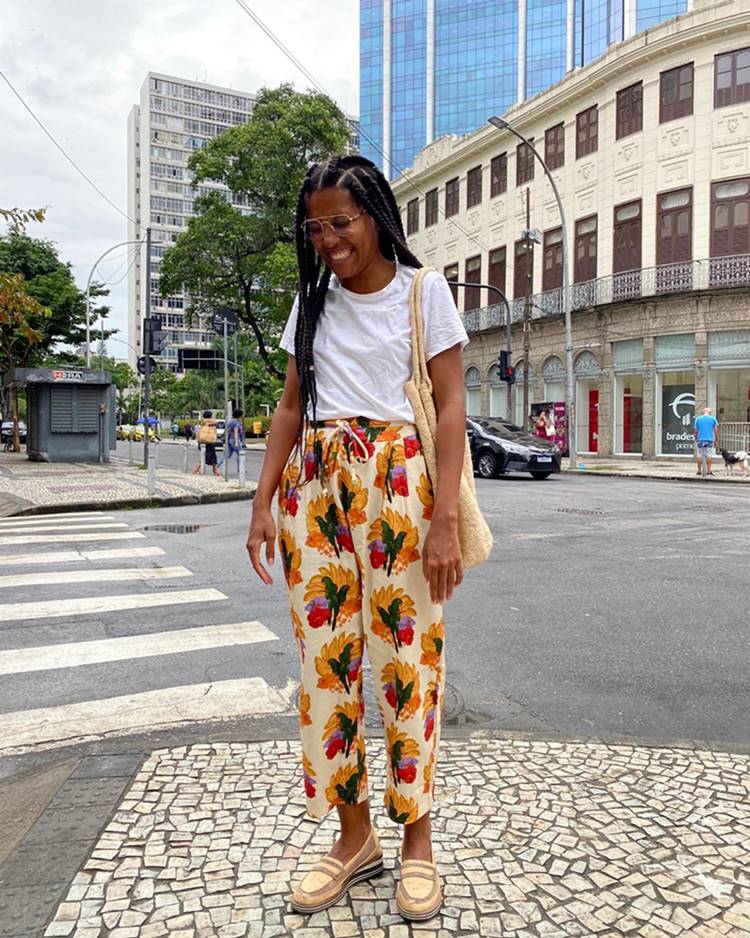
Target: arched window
[
  {"x": 554, "y": 379},
  {"x": 473, "y": 384},
  {"x": 586, "y": 365},
  {"x": 498, "y": 394},
  {"x": 519, "y": 417}
]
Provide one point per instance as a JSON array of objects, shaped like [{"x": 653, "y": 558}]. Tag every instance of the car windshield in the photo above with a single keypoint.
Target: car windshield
[{"x": 507, "y": 431}]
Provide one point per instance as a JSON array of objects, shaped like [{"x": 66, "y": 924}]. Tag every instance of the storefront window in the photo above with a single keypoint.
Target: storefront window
[
  {"x": 629, "y": 414},
  {"x": 554, "y": 379},
  {"x": 473, "y": 382},
  {"x": 732, "y": 394},
  {"x": 498, "y": 395},
  {"x": 676, "y": 413}
]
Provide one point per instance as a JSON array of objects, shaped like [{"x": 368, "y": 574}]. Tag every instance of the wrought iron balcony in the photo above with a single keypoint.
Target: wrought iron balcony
[{"x": 686, "y": 277}]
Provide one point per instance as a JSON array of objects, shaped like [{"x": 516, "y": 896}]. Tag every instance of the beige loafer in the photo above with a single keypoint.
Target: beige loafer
[
  {"x": 419, "y": 894},
  {"x": 330, "y": 879}
]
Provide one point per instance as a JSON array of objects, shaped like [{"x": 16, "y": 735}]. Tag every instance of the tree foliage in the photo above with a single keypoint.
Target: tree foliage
[
  {"x": 18, "y": 218},
  {"x": 244, "y": 259}
]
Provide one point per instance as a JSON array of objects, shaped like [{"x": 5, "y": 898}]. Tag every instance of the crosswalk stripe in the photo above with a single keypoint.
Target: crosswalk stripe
[
  {"x": 93, "y": 576},
  {"x": 49, "y": 528},
  {"x": 73, "y": 515},
  {"x": 55, "y": 519},
  {"x": 76, "y": 654},
  {"x": 150, "y": 710},
  {"x": 87, "y": 605},
  {"x": 68, "y": 538},
  {"x": 76, "y": 556}
]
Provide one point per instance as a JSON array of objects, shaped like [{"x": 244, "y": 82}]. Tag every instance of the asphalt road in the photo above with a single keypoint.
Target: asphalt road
[
  {"x": 611, "y": 609},
  {"x": 173, "y": 455}
]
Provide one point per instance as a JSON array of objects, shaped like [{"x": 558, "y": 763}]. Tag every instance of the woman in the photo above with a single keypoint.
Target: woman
[
  {"x": 207, "y": 436},
  {"x": 369, "y": 553}
]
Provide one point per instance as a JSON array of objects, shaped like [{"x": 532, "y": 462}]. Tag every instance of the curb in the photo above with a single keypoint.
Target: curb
[
  {"x": 622, "y": 474},
  {"x": 125, "y": 504}
]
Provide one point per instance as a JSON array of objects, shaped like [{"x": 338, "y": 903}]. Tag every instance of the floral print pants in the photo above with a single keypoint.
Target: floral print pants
[{"x": 352, "y": 523}]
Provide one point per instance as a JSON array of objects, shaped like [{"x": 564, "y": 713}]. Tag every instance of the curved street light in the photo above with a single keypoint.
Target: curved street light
[
  {"x": 88, "y": 293},
  {"x": 503, "y": 124}
]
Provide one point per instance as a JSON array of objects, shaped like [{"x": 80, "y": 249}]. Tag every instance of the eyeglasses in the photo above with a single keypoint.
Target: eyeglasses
[{"x": 315, "y": 228}]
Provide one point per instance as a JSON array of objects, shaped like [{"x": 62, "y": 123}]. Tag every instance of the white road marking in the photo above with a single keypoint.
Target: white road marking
[
  {"x": 68, "y": 538},
  {"x": 75, "y": 556},
  {"x": 76, "y": 654},
  {"x": 88, "y": 605},
  {"x": 54, "y": 519},
  {"x": 151, "y": 710},
  {"x": 48, "y": 528},
  {"x": 93, "y": 576},
  {"x": 63, "y": 515}
]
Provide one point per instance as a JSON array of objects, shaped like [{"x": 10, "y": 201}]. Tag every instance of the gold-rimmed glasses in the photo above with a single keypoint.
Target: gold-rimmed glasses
[{"x": 340, "y": 225}]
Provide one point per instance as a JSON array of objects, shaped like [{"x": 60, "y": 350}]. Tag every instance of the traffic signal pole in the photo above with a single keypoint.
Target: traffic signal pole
[
  {"x": 146, "y": 346},
  {"x": 226, "y": 403}
]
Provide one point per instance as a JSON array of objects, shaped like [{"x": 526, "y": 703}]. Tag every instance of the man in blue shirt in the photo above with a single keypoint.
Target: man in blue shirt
[
  {"x": 234, "y": 436},
  {"x": 706, "y": 432}
]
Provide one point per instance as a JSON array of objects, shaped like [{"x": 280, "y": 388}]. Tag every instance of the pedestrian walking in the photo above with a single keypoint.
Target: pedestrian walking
[
  {"x": 234, "y": 438},
  {"x": 706, "y": 433},
  {"x": 370, "y": 552},
  {"x": 175, "y": 430},
  {"x": 207, "y": 437}
]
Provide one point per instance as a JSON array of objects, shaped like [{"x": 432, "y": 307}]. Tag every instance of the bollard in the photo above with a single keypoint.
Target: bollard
[
  {"x": 151, "y": 472},
  {"x": 156, "y": 454},
  {"x": 203, "y": 459},
  {"x": 130, "y": 450},
  {"x": 241, "y": 458},
  {"x": 185, "y": 457}
]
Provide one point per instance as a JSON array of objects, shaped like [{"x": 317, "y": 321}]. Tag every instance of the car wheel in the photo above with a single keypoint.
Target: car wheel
[
  {"x": 540, "y": 475},
  {"x": 488, "y": 465}
]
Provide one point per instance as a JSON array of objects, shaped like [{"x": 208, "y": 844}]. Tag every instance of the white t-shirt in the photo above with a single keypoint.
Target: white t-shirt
[{"x": 362, "y": 346}]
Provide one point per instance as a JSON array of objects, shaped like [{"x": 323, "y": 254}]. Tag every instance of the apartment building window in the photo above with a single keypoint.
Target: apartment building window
[
  {"x": 524, "y": 163},
  {"x": 732, "y": 77},
  {"x": 587, "y": 131},
  {"x": 496, "y": 272},
  {"x": 629, "y": 118},
  {"x": 676, "y": 93},
  {"x": 451, "y": 275},
  {"x": 431, "y": 208},
  {"x": 412, "y": 217},
  {"x": 554, "y": 146},
  {"x": 674, "y": 240},
  {"x": 730, "y": 231},
  {"x": 584, "y": 264},
  {"x": 498, "y": 175},
  {"x": 451, "y": 197},
  {"x": 474, "y": 186},
  {"x": 523, "y": 268},
  {"x": 552, "y": 260},
  {"x": 473, "y": 295},
  {"x": 626, "y": 259}
]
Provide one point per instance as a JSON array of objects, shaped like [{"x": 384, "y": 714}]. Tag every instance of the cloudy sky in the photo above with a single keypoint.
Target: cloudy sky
[{"x": 79, "y": 65}]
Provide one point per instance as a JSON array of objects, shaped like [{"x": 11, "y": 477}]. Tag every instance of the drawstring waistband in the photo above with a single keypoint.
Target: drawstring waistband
[{"x": 343, "y": 426}]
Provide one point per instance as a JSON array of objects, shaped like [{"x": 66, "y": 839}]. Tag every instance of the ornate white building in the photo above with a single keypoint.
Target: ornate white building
[{"x": 650, "y": 149}]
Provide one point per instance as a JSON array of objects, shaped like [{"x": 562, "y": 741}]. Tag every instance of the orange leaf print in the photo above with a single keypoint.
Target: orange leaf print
[
  {"x": 424, "y": 492},
  {"x": 299, "y": 634},
  {"x": 400, "y": 682},
  {"x": 340, "y": 733},
  {"x": 402, "y": 810},
  {"x": 353, "y": 498},
  {"x": 347, "y": 782},
  {"x": 304, "y": 708},
  {"x": 339, "y": 662},
  {"x": 308, "y": 774},
  {"x": 393, "y": 542},
  {"x": 391, "y": 475},
  {"x": 428, "y": 774},
  {"x": 393, "y": 612},
  {"x": 291, "y": 558},
  {"x": 432, "y": 645},
  {"x": 403, "y": 756},
  {"x": 323, "y": 526},
  {"x": 332, "y": 597}
]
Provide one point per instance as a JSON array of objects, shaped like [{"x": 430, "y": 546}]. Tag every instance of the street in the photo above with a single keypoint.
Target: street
[
  {"x": 172, "y": 454},
  {"x": 611, "y": 609}
]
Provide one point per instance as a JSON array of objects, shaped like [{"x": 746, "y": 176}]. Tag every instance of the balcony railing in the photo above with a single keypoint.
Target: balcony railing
[{"x": 710, "y": 273}]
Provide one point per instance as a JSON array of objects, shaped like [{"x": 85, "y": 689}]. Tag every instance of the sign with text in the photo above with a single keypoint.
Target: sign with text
[{"x": 677, "y": 412}]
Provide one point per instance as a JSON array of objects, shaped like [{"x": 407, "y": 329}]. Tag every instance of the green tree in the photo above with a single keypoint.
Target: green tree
[
  {"x": 22, "y": 320},
  {"x": 244, "y": 259},
  {"x": 18, "y": 218}
]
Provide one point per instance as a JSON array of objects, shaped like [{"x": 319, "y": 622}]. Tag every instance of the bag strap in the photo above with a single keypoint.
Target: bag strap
[{"x": 418, "y": 362}]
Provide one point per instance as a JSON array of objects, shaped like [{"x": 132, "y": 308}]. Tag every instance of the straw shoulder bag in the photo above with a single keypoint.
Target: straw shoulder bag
[{"x": 474, "y": 534}]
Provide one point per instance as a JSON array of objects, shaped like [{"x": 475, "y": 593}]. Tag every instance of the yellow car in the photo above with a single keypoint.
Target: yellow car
[
  {"x": 137, "y": 433},
  {"x": 123, "y": 431}
]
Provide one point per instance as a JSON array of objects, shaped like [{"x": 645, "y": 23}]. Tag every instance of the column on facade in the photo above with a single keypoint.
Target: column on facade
[
  {"x": 606, "y": 399},
  {"x": 649, "y": 398},
  {"x": 701, "y": 370}
]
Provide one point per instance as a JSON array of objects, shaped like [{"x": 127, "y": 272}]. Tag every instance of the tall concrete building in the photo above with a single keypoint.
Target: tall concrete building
[
  {"x": 175, "y": 117},
  {"x": 435, "y": 67}
]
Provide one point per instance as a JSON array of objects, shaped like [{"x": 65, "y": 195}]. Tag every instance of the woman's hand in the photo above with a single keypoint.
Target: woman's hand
[
  {"x": 441, "y": 558},
  {"x": 262, "y": 530}
]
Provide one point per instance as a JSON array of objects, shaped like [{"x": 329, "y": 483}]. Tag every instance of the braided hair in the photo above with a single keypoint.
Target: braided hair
[{"x": 371, "y": 191}]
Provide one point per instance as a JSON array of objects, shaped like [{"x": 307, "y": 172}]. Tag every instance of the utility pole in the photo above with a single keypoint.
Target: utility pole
[
  {"x": 236, "y": 374},
  {"x": 527, "y": 315},
  {"x": 227, "y": 403},
  {"x": 146, "y": 347}
]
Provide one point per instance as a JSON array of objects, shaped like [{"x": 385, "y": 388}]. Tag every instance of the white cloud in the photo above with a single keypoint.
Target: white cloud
[{"x": 80, "y": 64}]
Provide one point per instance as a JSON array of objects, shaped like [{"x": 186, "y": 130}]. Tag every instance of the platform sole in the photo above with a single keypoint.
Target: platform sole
[{"x": 367, "y": 872}]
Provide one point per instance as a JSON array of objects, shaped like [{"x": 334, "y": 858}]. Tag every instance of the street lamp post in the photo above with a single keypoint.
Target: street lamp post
[
  {"x": 503, "y": 124},
  {"x": 88, "y": 294}
]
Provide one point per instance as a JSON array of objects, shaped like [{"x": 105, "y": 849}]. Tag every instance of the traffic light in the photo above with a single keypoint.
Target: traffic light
[
  {"x": 155, "y": 338},
  {"x": 505, "y": 371}
]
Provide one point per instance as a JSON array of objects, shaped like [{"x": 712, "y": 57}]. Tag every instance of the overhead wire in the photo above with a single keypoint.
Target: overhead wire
[
  {"x": 72, "y": 162},
  {"x": 375, "y": 145}
]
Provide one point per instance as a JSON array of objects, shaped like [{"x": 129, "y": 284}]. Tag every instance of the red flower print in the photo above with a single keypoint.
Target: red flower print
[
  {"x": 309, "y": 787},
  {"x": 377, "y": 554},
  {"x": 390, "y": 695},
  {"x": 399, "y": 482},
  {"x": 335, "y": 745},
  {"x": 412, "y": 446},
  {"x": 405, "y": 630},
  {"x": 344, "y": 539},
  {"x": 318, "y": 613},
  {"x": 292, "y": 502},
  {"x": 407, "y": 772}
]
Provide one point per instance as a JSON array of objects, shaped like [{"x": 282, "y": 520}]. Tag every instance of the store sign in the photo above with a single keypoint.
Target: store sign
[
  {"x": 67, "y": 376},
  {"x": 677, "y": 413}
]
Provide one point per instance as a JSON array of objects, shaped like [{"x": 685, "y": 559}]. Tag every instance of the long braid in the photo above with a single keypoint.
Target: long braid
[{"x": 371, "y": 191}]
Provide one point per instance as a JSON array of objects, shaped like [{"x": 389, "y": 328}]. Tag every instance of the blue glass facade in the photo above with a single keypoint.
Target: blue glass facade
[
  {"x": 476, "y": 62},
  {"x": 371, "y": 79},
  {"x": 652, "y": 12},
  {"x": 546, "y": 44}
]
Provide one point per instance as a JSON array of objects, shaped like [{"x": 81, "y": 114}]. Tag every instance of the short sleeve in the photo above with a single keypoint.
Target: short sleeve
[
  {"x": 443, "y": 327},
  {"x": 287, "y": 339}
]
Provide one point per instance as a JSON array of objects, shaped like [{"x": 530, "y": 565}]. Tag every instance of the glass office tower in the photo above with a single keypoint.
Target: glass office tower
[{"x": 434, "y": 67}]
